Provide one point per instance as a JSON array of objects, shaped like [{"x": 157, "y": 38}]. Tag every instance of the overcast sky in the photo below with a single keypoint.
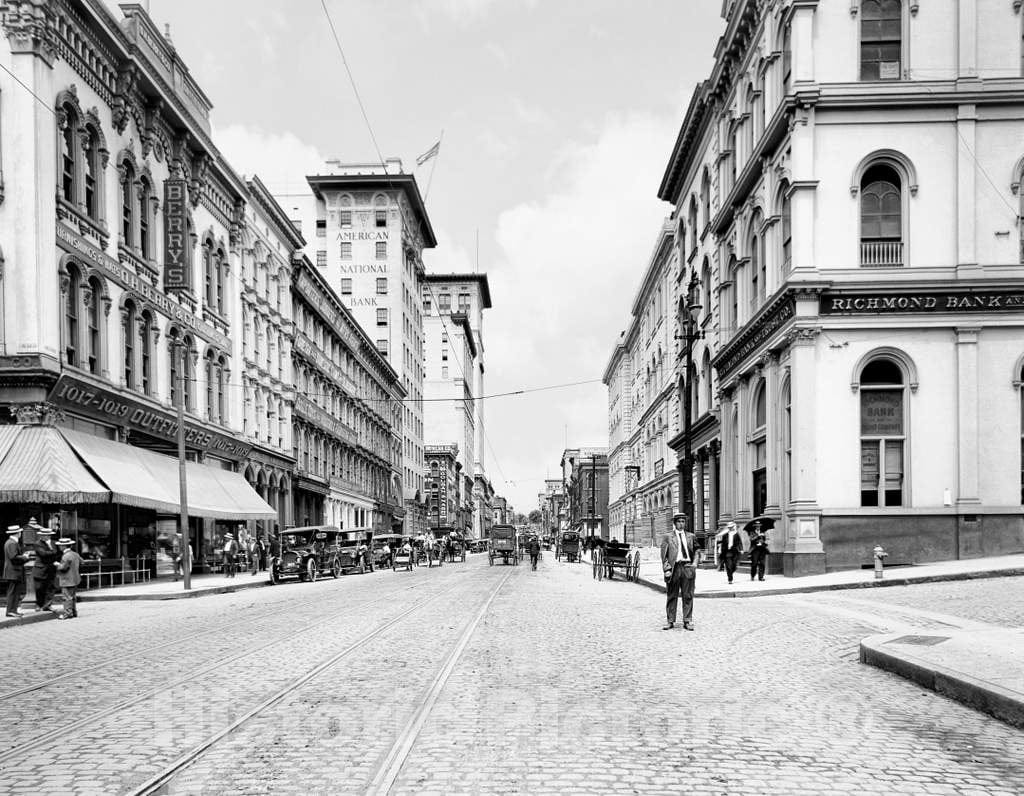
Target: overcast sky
[{"x": 558, "y": 119}]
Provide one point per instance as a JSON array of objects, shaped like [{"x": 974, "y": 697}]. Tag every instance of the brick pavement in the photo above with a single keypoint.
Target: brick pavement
[{"x": 568, "y": 685}]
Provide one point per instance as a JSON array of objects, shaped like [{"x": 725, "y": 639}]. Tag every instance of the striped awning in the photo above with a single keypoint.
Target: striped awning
[{"x": 38, "y": 466}]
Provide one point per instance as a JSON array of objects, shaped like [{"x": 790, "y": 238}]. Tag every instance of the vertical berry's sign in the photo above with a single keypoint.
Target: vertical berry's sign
[{"x": 177, "y": 274}]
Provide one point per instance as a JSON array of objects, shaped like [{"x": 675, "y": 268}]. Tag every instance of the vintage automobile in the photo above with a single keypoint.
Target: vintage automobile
[
  {"x": 354, "y": 551},
  {"x": 382, "y": 548},
  {"x": 306, "y": 553},
  {"x": 504, "y": 545}
]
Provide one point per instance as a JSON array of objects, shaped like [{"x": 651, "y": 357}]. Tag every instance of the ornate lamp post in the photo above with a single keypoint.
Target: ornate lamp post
[{"x": 688, "y": 315}]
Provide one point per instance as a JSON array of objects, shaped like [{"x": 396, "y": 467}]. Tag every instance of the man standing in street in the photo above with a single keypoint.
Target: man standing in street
[
  {"x": 68, "y": 577},
  {"x": 679, "y": 559},
  {"x": 14, "y": 570},
  {"x": 730, "y": 549},
  {"x": 230, "y": 551},
  {"x": 758, "y": 554},
  {"x": 534, "y": 551},
  {"x": 44, "y": 568}
]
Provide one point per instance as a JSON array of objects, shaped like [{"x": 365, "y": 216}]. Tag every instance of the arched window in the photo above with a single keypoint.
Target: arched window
[
  {"x": 705, "y": 380},
  {"x": 127, "y": 204},
  {"x": 181, "y": 367},
  {"x": 146, "y": 352},
  {"x": 881, "y": 217},
  {"x": 72, "y": 305},
  {"x": 787, "y": 60},
  {"x": 95, "y": 313},
  {"x": 882, "y": 433},
  {"x": 759, "y": 448},
  {"x": 218, "y": 272},
  {"x": 174, "y": 366},
  {"x": 69, "y": 155},
  {"x": 130, "y": 320},
  {"x": 91, "y": 166},
  {"x": 705, "y": 196},
  {"x": 705, "y": 283},
  {"x": 786, "y": 213},
  {"x": 211, "y": 387},
  {"x": 748, "y": 125},
  {"x": 210, "y": 275},
  {"x": 145, "y": 239},
  {"x": 758, "y": 267},
  {"x": 694, "y": 234},
  {"x": 881, "y": 37}
]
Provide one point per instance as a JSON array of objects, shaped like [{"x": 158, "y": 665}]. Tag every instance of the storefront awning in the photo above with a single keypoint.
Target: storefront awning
[
  {"x": 38, "y": 466},
  {"x": 142, "y": 478}
]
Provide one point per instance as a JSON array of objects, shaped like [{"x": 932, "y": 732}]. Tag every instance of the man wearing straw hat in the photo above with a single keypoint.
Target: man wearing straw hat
[
  {"x": 14, "y": 570},
  {"x": 68, "y": 577},
  {"x": 44, "y": 568}
]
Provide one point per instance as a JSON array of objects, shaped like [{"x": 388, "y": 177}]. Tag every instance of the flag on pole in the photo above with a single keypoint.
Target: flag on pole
[{"x": 430, "y": 153}]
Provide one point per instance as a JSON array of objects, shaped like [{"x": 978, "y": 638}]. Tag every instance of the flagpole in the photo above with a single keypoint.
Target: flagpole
[{"x": 430, "y": 179}]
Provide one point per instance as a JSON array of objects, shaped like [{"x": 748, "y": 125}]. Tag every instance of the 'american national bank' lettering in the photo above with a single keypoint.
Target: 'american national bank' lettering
[
  {"x": 177, "y": 274},
  {"x": 963, "y": 301}
]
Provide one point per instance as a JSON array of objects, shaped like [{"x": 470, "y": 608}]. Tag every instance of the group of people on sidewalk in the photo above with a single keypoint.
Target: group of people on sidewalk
[
  {"x": 53, "y": 565},
  {"x": 681, "y": 554}
]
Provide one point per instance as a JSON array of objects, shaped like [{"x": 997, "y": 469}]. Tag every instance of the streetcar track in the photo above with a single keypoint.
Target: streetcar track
[
  {"x": 396, "y": 757},
  {"x": 158, "y": 783},
  {"x": 236, "y": 623},
  {"x": 35, "y": 741}
]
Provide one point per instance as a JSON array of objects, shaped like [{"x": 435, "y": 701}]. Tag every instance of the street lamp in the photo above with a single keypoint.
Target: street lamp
[{"x": 688, "y": 315}]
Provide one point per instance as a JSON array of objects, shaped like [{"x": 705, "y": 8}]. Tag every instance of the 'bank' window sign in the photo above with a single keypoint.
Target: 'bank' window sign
[{"x": 881, "y": 413}]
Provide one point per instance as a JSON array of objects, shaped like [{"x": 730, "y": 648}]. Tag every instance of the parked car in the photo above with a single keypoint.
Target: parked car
[
  {"x": 306, "y": 553},
  {"x": 378, "y": 543}
]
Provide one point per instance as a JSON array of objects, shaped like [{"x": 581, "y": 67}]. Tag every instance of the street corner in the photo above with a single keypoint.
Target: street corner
[
  {"x": 979, "y": 668},
  {"x": 28, "y": 617}
]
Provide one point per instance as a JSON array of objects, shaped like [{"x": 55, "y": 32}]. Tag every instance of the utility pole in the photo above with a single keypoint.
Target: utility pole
[{"x": 186, "y": 551}]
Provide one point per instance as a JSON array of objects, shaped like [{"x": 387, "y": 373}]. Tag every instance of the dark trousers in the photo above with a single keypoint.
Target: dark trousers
[
  {"x": 254, "y": 563},
  {"x": 731, "y": 560},
  {"x": 44, "y": 592},
  {"x": 757, "y": 560},
  {"x": 533, "y": 559},
  {"x": 229, "y": 565},
  {"x": 70, "y": 594},
  {"x": 15, "y": 594},
  {"x": 680, "y": 587}
]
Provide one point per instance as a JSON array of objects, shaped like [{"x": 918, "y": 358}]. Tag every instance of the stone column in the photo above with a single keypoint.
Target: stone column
[
  {"x": 713, "y": 489},
  {"x": 726, "y": 460},
  {"x": 742, "y": 505},
  {"x": 803, "y": 553},
  {"x": 772, "y": 439}
]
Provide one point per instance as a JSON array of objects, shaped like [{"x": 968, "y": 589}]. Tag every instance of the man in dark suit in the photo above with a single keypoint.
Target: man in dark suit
[
  {"x": 44, "y": 568},
  {"x": 758, "y": 554},
  {"x": 14, "y": 570},
  {"x": 729, "y": 549},
  {"x": 679, "y": 558}
]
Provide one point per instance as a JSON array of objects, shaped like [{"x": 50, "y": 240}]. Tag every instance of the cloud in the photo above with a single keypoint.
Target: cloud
[
  {"x": 530, "y": 115},
  {"x": 565, "y": 258},
  {"x": 462, "y": 13},
  {"x": 500, "y": 54},
  {"x": 281, "y": 160},
  {"x": 448, "y": 257}
]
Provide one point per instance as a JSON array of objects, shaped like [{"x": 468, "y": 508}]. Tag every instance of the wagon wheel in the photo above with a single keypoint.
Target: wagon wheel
[
  {"x": 600, "y": 568},
  {"x": 311, "y": 571}
]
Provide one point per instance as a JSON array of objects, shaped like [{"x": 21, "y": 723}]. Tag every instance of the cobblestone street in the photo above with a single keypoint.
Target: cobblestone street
[{"x": 559, "y": 684}]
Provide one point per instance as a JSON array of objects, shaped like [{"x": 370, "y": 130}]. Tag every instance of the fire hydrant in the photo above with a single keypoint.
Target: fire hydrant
[{"x": 880, "y": 556}]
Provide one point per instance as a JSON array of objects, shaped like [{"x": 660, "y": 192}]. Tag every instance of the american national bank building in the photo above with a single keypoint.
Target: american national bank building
[{"x": 120, "y": 229}]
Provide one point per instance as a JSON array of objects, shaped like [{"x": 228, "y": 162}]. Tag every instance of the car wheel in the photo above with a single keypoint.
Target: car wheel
[
  {"x": 311, "y": 571},
  {"x": 335, "y": 568}
]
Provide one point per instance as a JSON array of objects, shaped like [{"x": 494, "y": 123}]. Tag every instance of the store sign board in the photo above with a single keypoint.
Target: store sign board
[
  {"x": 115, "y": 407},
  {"x": 958, "y": 301},
  {"x": 177, "y": 274},
  {"x": 126, "y": 278}
]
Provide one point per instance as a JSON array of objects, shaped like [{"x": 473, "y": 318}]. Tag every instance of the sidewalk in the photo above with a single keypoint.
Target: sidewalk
[
  {"x": 167, "y": 589},
  {"x": 981, "y": 668},
  {"x": 712, "y": 583}
]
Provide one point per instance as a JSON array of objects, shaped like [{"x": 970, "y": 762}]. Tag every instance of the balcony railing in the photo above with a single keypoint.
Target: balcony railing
[{"x": 881, "y": 253}]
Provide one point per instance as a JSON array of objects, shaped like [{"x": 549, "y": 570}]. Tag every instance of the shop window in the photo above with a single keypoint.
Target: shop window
[
  {"x": 127, "y": 204},
  {"x": 880, "y": 39},
  {"x": 882, "y": 433},
  {"x": 145, "y": 239},
  {"x": 881, "y": 217}
]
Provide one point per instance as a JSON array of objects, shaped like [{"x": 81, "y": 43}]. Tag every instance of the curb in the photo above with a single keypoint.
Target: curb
[
  {"x": 182, "y": 595},
  {"x": 868, "y": 584},
  {"x": 986, "y": 697},
  {"x": 27, "y": 619}
]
